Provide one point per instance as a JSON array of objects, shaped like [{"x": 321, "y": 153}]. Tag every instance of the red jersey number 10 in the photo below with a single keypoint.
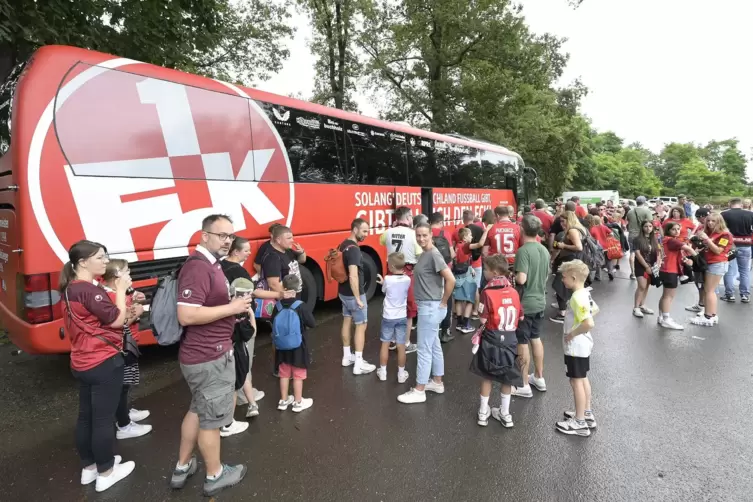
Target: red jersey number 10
[{"x": 508, "y": 318}]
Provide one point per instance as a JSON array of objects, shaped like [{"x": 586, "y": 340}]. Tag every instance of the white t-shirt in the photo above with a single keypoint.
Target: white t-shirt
[
  {"x": 401, "y": 239},
  {"x": 395, "y": 289},
  {"x": 580, "y": 307}
]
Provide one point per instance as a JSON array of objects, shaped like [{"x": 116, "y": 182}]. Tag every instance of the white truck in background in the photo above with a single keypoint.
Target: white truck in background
[{"x": 594, "y": 196}]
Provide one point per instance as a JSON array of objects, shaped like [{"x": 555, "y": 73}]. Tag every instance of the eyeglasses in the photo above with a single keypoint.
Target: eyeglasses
[{"x": 223, "y": 236}]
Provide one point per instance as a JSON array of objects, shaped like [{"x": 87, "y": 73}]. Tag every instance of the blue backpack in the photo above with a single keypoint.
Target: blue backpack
[{"x": 286, "y": 327}]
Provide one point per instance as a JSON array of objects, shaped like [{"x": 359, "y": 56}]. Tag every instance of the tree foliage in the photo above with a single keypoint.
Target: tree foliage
[
  {"x": 236, "y": 40},
  {"x": 336, "y": 25}
]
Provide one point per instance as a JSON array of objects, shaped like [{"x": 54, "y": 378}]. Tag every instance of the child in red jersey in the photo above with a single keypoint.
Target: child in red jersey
[
  {"x": 671, "y": 270},
  {"x": 495, "y": 348},
  {"x": 127, "y": 418}
]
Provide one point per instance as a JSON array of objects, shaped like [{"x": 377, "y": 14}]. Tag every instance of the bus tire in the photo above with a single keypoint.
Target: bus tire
[
  {"x": 309, "y": 293},
  {"x": 370, "y": 272}
]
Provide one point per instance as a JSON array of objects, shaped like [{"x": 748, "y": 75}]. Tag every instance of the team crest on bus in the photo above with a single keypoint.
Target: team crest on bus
[{"x": 136, "y": 161}]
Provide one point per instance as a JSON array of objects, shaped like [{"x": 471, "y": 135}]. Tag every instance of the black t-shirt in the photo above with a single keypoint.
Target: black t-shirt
[
  {"x": 243, "y": 330},
  {"x": 740, "y": 224},
  {"x": 263, "y": 250},
  {"x": 351, "y": 256},
  {"x": 278, "y": 264},
  {"x": 556, "y": 227}
]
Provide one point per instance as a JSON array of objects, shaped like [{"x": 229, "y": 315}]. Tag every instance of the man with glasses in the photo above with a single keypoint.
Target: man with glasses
[{"x": 206, "y": 357}]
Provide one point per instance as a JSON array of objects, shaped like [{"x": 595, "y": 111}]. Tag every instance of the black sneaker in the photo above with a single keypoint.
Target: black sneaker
[
  {"x": 745, "y": 298},
  {"x": 727, "y": 298},
  {"x": 393, "y": 346},
  {"x": 632, "y": 277},
  {"x": 611, "y": 276},
  {"x": 558, "y": 318}
]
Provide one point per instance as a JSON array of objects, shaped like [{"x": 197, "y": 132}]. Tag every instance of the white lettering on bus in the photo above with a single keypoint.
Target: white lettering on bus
[{"x": 3, "y": 223}]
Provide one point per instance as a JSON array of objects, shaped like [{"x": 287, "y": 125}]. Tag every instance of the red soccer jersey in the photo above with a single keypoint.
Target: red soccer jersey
[
  {"x": 502, "y": 309},
  {"x": 581, "y": 212},
  {"x": 686, "y": 228},
  {"x": 724, "y": 241},
  {"x": 672, "y": 255},
  {"x": 504, "y": 238}
]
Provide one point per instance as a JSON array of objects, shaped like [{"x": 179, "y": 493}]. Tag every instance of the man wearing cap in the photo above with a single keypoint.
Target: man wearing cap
[{"x": 635, "y": 219}]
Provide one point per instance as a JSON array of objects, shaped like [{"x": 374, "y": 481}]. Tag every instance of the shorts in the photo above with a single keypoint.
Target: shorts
[
  {"x": 479, "y": 275},
  {"x": 465, "y": 288},
  {"x": 288, "y": 371},
  {"x": 639, "y": 270},
  {"x": 529, "y": 328},
  {"x": 669, "y": 280},
  {"x": 212, "y": 387},
  {"x": 577, "y": 367},
  {"x": 633, "y": 244},
  {"x": 394, "y": 330},
  {"x": 717, "y": 268},
  {"x": 351, "y": 309}
]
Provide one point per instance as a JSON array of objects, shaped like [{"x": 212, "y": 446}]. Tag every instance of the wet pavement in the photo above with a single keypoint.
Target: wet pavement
[{"x": 672, "y": 409}]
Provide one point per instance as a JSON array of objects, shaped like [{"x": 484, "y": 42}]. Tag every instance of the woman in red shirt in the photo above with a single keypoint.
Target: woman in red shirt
[
  {"x": 717, "y": 242},
  {"x": 671, "y": 270},
  {"x": 601, "y": 233},
  {"x": 677, "y": 215},
  {"x": 95, "y": 327}
]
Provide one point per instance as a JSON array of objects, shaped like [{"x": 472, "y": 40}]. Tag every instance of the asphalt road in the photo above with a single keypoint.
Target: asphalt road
[{"x": 672, "y": 409}]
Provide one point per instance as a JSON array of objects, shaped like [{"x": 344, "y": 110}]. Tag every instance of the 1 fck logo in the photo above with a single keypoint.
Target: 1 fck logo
[{"x": 149, "y": 200}]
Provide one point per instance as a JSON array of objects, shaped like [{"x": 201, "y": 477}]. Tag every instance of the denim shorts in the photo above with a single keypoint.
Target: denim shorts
[
  {"x": 350, "y": 309},
  {"x": 717, "y": 268},
  {"x": 479, "y": 275},
  {"x": 394, "y": 330}
]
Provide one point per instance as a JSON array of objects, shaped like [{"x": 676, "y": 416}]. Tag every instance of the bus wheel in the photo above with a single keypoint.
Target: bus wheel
[
  {"x": 370, "y": 272},
  {"x": 308, "y": 295}
]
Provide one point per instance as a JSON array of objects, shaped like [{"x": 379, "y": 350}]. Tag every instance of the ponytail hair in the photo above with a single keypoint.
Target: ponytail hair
[{"x": 82, "y": 250}]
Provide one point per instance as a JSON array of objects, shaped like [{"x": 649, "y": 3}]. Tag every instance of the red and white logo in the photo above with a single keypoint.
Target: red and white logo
[{"x": 136, "y": 162}]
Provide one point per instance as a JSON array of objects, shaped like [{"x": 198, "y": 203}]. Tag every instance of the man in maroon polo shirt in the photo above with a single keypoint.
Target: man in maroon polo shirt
[{"x": 206, "y": 357}]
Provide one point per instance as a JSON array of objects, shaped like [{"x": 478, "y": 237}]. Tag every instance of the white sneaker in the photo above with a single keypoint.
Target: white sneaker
[
  {"x": 90, "y": 476},
  {"x": 382, "y": 374},
  {"x": 505, "y": 420},
  {"x": 411, "y": 348},
  {"x": 133, "y": 430},
  {"x": 522, "y": 391},
  {"x": 695, "y": 308},
  {"x": 119, "y": 471},
  {"x": 258, "y": 395},
  {"x": 349, "y": 361},
  {"x": 670, "y": 323},
  {"x": 234, "y": 428},
  {"x": 138, "y": 415},
  {"x": 432, "y": 386},
  {"x": 637, "y": 312},
  {"x": 402, "y": 376},
  {"x": 412, "y": 396},
  {"x": 305, "y": 404},
  {"x": 483, "y": 417},
  {"x": 283, "y": 405},
  {"x": 555, "y": 305},
  {"x": 702, "y": 320},
  {"x": 363, "y": 367},
  {"x": 538, "y": 383},
  {"x": 646, "y": 310}
]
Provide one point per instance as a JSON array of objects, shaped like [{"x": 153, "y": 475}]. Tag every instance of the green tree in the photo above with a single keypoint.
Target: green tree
[
  {"x": 607, "y": 142},
  {"x": 696, "y": 179},
  {"x": 336, "y": 25},
  {"x": 672, "y": 158},
  {"x": 237, "y": 41},
  {"x": 725, "y": 156}
]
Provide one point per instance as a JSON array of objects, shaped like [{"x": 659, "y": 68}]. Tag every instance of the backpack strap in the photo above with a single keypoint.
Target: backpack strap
[
  {"x": 279, "y": 306},
  {"x": 296, "y": 304}
]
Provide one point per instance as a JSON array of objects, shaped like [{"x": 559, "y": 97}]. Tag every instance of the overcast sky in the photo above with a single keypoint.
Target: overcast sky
[{"x": 658, "y": 70}]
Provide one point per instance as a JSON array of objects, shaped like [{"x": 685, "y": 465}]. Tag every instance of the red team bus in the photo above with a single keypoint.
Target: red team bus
[{"x": 134, "y": 156}]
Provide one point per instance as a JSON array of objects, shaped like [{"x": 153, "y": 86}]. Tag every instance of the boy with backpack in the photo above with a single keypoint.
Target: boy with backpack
[{"x": 289, "y": 323}]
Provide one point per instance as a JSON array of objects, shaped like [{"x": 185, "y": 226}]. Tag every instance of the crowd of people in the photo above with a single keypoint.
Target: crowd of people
[{"x": 493, "y": 268}]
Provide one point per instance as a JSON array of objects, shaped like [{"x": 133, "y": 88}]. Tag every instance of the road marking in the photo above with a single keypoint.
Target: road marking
[{"x": 697, "y": 337}]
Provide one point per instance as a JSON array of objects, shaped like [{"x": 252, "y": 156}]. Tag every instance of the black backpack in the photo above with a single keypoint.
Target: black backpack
[{"x": 443, "y": 246}]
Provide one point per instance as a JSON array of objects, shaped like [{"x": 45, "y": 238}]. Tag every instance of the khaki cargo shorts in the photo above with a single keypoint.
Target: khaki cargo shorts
[{"x": 212, "y": 387}]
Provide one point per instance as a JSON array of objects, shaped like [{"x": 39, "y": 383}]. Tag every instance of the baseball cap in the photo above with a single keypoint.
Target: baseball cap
[
  {"x": 702, "y": 212},
  {"x": 640, "y": 199}
]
